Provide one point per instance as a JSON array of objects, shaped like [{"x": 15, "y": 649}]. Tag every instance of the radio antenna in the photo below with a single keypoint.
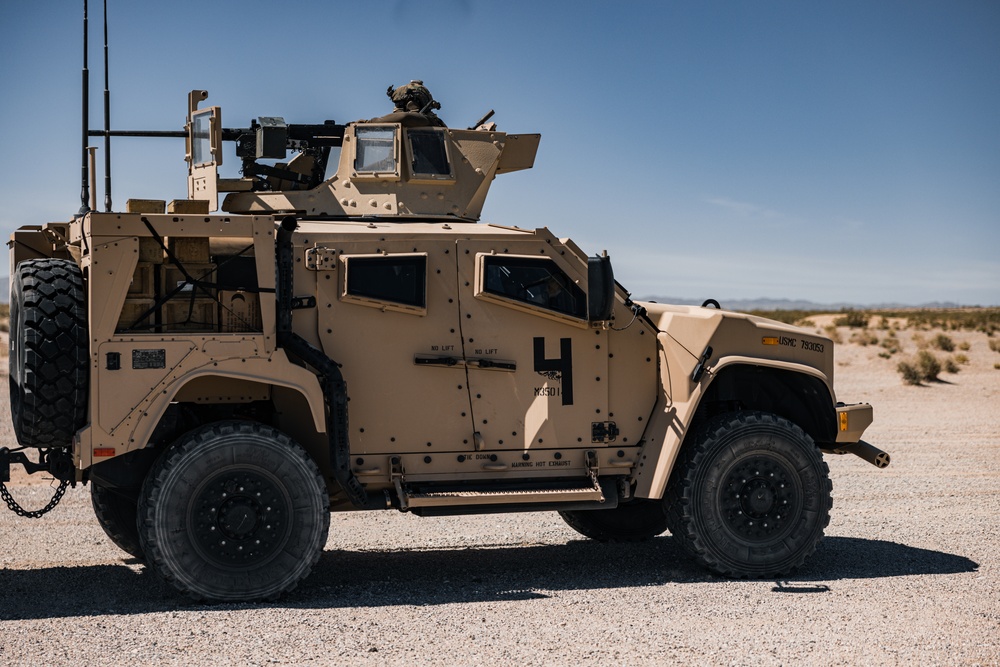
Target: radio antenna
[
  {"x": 85, "y": 190},
  {"x": 107, "y": 119}
]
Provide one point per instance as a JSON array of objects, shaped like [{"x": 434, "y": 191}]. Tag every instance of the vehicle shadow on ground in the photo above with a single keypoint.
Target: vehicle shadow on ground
[{"x": 479, "y": 573}]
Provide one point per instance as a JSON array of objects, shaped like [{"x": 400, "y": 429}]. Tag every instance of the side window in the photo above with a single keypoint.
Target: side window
[
  {"x": 429, "y": 152},
  {"x": 399, "y": 279},
  {"x": 534, "y": 281},
  {"x": 376, "y": 150}
]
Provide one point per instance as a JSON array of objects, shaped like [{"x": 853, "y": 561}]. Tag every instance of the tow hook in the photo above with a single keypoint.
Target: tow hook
[{"x": 866, "y": 451}]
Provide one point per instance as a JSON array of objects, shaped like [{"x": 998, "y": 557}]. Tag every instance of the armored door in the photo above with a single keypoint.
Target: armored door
[
  {"x": 388, "y": 313},
  {"x": 537, "y": 370}
]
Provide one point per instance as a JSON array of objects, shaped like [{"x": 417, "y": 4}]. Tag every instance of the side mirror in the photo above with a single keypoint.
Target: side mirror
[{"x": 601, "y": 288}]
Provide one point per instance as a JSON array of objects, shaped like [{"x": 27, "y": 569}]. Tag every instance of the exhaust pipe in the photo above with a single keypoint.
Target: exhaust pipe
[{"x": 866, "y": 451}]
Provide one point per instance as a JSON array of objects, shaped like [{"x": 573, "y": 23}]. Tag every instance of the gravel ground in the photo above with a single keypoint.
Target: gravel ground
[{"x": 909, "y": 572}]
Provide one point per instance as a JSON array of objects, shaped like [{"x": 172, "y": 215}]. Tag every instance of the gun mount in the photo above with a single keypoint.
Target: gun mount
[{"x": 385, "y": 169}]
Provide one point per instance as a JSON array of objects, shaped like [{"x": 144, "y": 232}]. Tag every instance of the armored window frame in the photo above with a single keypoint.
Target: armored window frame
[
  {"x": 205, "y": 137},
  {"x": 396, "y": 282},
  {"x": 372, "y": 145},
  {"x": 525, "y": 281},
  {"x": 429, "y": 155}
]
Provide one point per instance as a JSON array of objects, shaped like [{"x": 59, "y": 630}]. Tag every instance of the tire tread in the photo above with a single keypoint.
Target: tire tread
[
  {"x": 690, "y": 466},
  {"x": 50, "y": 405}
]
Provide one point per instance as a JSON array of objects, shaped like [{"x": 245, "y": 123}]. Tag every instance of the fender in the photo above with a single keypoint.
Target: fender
[
  {"x": 135, "y": 430},
  {"x": 671, "y": 419},
  {"x": 731, "y": 360}
]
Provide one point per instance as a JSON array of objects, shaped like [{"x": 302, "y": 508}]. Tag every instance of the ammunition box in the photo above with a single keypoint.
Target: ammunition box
[
  {"x": 239, "y": 311},
  {"x": 132, "y": 310},
  {"x": 185, "y": 314},
  {"x": 145, "y": 205},
  {"x": 173, "y": 277},
  {"x": 142, "y": 286},
  {"x": 188, "y": 207},
  {"x": 188, "y": 249},
  {"x": 150, "y": 250}
]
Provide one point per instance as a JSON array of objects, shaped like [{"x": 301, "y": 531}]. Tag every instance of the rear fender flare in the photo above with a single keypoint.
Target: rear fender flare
[{"x": 290, "y": 376}]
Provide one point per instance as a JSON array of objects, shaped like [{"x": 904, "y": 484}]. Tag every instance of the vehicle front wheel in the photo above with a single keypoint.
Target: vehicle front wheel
[
  {"x": 750, "y": 496},
  {"x": 633, "y": 522},
  {"x": 234, "y": 511}
]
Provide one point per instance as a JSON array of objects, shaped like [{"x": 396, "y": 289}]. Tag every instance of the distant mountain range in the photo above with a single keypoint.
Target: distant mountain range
[
  {"x": 790, "y": 304},
  {"x": 729, "y": 304}
]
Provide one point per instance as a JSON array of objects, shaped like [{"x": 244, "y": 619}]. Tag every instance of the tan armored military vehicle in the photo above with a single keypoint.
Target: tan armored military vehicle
[{"x": 224, "y": 378}]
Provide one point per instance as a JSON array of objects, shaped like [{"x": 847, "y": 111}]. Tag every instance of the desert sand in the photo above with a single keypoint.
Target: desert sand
[{"x": 909, "y": 572}]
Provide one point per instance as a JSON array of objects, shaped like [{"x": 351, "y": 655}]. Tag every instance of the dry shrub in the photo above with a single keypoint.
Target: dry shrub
[
  {"x": 833, "y": 334},
  {"x": 964, "y": 346},
  {"x": 891, "y": 346},
  {"x": 852, "y": 318},
  {"x": 943, "y": 343},
  {"x": 864, "y": 338},
  {"x": 909, "y": 372},
  {"x": 928, "y": 365},
  {"x": 962, "y": 359},
  {"x": 950, "y": 366},
  {"x": 920, "y": 341},
  {"x": 924, "y": 367},
  {"x": 995, "y": 345}
]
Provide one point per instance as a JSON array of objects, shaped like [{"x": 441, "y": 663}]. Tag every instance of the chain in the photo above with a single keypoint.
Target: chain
[
  {"x": 592, "y": 473},
  {"x": 32, "y": 514}
]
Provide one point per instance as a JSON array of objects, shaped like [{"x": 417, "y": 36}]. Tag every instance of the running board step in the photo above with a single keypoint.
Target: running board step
[{"x": 467, "y": 498}]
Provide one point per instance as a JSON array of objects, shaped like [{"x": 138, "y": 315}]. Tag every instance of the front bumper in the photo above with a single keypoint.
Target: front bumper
[{"x": 852, "y": 420}]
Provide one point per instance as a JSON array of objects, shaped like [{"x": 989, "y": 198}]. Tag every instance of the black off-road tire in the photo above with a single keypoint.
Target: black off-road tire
[
  {"x": 234, "y": 511},
  {"x": 49, "y": 352},
  {"x": 117, "y": 516},
  {"x": 636, "y": 521},
  {"x": 750, "y": 496}
]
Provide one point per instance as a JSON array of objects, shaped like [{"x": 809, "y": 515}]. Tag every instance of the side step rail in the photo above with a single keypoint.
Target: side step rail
[
  {"x": 558, "y": 493},
  {"x": 586, "y": 493}
]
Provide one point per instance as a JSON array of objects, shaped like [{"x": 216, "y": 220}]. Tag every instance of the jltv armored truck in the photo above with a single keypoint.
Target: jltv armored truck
[{"x": 223, "y": 378}]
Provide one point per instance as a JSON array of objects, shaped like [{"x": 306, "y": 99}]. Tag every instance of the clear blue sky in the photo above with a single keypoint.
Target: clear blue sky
[{"x": 839, "y": 152}]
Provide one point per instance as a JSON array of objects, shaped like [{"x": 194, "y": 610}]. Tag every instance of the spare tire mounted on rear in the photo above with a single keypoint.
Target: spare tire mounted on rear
[{"x": 49, "y": 352}]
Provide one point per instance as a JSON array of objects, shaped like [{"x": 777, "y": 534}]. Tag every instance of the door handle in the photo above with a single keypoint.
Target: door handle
[
  {"x": 492, "y": 364},
  {"x": 439, "y": 361}
]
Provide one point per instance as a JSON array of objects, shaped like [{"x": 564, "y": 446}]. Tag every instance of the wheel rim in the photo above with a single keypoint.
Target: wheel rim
[
  {"x": 760, "y": 499},
  {"x": 240, "y": 518}
]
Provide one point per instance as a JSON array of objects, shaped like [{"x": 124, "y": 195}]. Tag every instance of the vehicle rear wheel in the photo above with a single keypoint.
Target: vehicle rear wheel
[
  {"x": 117, "y": 516},
  {"x": 633, "y": 522},
  {"x": 49, "y": 352},
  {"x": 750, "y": 496},
  {"x": 234, "y": 511}
]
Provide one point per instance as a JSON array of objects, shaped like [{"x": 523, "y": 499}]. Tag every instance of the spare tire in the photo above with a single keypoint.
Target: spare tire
[{"x": 49, "y": 352}]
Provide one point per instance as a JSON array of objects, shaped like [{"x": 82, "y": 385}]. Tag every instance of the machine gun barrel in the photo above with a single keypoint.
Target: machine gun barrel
[
  {"x": 328, "y": 134},
  {"x": 179, "y": 134},
  {"x": 486, "y": 117}
]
